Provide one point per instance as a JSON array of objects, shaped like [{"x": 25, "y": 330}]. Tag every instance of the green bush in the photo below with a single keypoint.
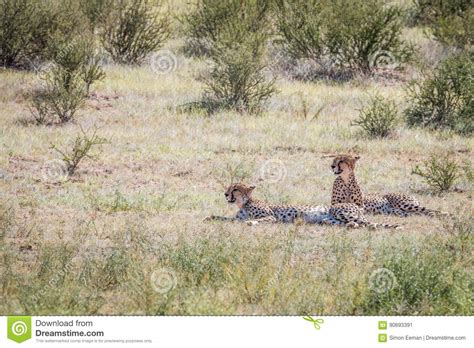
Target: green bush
[
  {"x": 58, "y": 23},
  {"x": 80, "y": 56},
  {"x": 357, "y": 35},
  {"x": 363, "y": 35},
  {"x": 31, "y": 30},
  {"x": 65, "y": 87},
  {"x": 15, "y": 30},
  {"x": 439, "y": 173},
  {"x": 62, "y": 95},
  {"x": 300, "y": 25},
  {"x": 96, "y": 11},
  {"x": 204, "y": 23},
  {"x": 443, "y": 99},
  {"x": 451, "y": 21},
  {"x": 134, "y": 29},
  {"x": 237, "y": 79},
  {"x": 81, "y": 149},
  {"x": 378, "y": 118}
]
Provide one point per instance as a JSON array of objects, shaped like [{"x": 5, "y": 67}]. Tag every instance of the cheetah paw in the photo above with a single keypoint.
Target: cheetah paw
[{"x": 208, "y": 218}]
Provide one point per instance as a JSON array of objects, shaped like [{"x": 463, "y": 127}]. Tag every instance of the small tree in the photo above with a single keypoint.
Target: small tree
[
  {"x": 95, "y": 10},
  {"x": 439, "y": 173},
  {"x": 30, "y": 30},
  {"x": 207, "y": 18},
  {"x": 237, "y": 80},
  {"x": 81, "y": 149},
  {"x": 443, "y": 99},
  {"x": 75, "y": 68},
  {"x": 450, "y": 21},
  {"x": 58, "y": 100},
  {"x": 300, "y": 25},
  {"x": 365, "y": 34},
  {"x": 15, "y": 30},
  {"x": 378, "y": 118},
  {"x": 80, "y": 57},
  {"x": 359, "y": 35},
  {"x": 133, "y": 29}
]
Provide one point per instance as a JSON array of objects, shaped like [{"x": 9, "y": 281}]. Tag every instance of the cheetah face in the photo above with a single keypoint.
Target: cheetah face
[
  {"x": 343, "y": 164},
  {"x": 238, "y": 193}
]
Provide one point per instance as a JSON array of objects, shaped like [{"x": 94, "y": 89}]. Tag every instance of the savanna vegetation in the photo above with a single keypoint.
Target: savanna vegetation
[{"x": 122, "y": 123}]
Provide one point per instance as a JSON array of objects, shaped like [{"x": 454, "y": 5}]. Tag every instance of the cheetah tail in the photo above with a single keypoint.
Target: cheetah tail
[
  {"x": 390, "y": 226},
  {"x": 432, "y": 212}
]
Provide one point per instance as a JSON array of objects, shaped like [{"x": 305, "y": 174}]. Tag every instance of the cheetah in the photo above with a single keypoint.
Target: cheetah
[
  {"x": 347, "y": 190},
  {"x": 254, "y": 211}
]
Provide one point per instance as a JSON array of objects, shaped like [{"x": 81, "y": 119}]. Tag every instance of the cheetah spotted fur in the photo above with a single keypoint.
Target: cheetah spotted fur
[
  {"x": 254, "y": 211},
  {"x": 347, "y": 190}
]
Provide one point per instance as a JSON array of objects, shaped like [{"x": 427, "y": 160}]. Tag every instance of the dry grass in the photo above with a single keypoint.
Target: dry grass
[{"x": 138, "y": 208}]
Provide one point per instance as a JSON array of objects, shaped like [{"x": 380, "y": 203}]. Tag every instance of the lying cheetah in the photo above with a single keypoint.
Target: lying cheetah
[
  {"x": 254, "y": 211},
  {"x": 347, "y": 190}
]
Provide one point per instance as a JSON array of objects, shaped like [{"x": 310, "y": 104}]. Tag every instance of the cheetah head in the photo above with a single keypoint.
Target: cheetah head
[
  {"x": 344, "y": 164},
  {"x": 239, "y": 193}
]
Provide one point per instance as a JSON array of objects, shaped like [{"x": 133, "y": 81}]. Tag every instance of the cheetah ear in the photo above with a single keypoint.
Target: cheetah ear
[{"x": 251, "y": 188}]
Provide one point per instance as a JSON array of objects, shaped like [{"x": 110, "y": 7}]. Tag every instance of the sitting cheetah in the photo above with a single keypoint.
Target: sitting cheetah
[
  {"x": 255, "y": 211},
  {"x": 347, "y": 190}
]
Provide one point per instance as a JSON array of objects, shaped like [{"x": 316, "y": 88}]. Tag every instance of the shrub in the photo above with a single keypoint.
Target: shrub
[
  {"x": 204, "y": 23},
  {"x": 96, "y": 11},
  {"x": 451, "y": 21},
  {"x": 300, "y": 25},
  {"x": 357, "y": 35},
  {"x": 237, "y": 80},
  {"x": 57, "y": 24},
  {"x": 439, "y": 173},
  {"x": 456, "y": 30},
  {"x": 75, "y": 68},
  {"x": 62, "y": 95},
  {"x": 378, "y": 118},
  {"x": 15, "y": 29},
  {"x": 443, "y": 99},
  {"x": 31, "y": 30},
  {"x": 134, "y": 29},
  {"x": 81, "y": 149},
  {"x": 80, "y": 56},
  {"x": 366, "y": 34}
]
